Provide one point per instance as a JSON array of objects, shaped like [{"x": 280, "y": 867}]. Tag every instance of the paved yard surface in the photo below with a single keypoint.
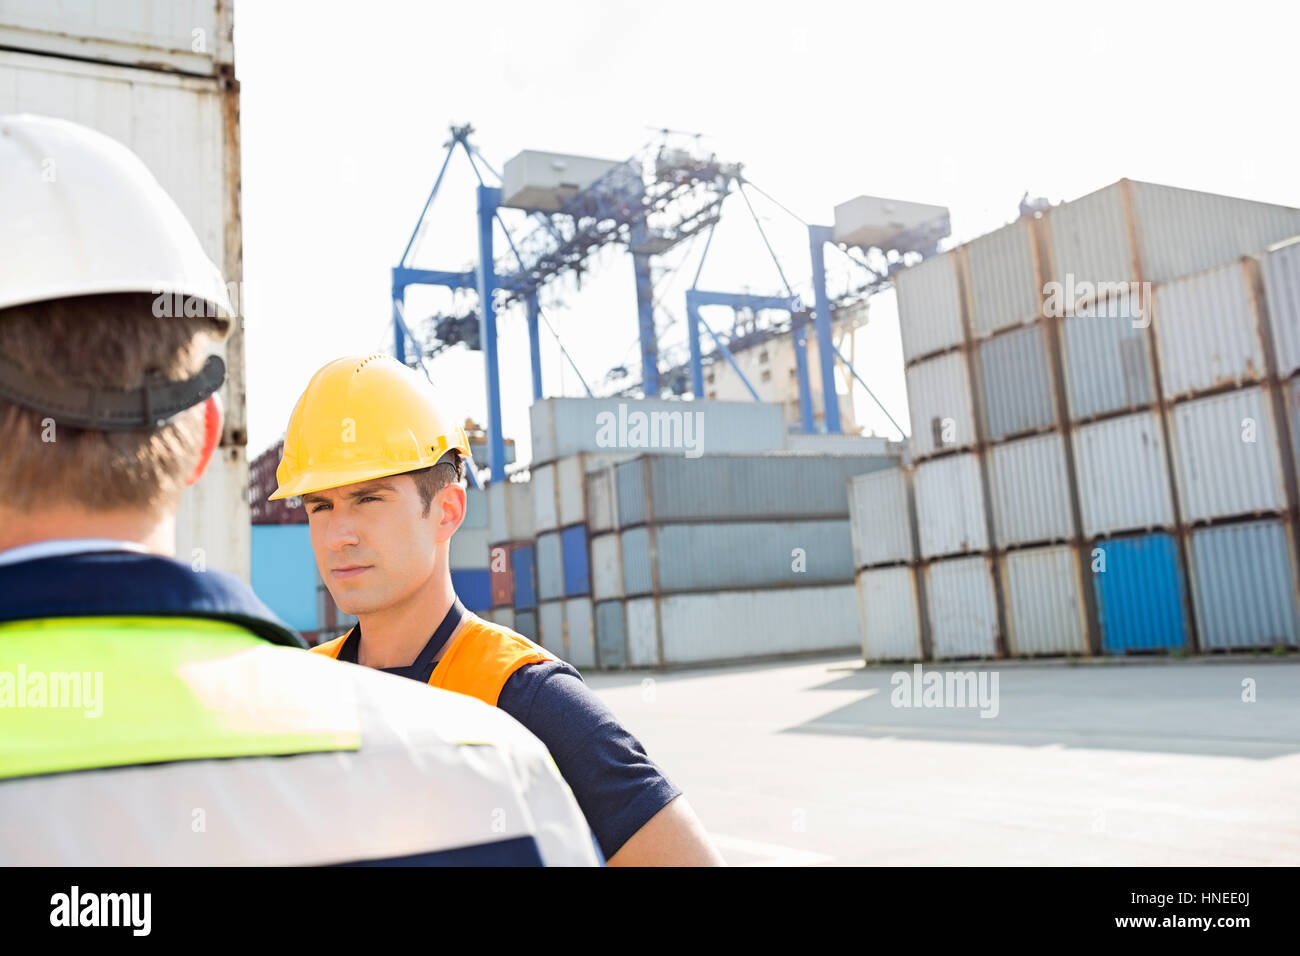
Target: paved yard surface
[{"x": 808, "y": 762}]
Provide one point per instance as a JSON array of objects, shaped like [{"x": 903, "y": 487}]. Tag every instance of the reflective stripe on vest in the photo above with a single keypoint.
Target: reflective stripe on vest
[
  {"x": 147, "y": 690},
  {"x": 478, "y": 661}
]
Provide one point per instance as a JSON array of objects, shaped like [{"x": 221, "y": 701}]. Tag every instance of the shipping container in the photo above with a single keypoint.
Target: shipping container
[
  {"x": 550, "y": 566},
  {"x": 1226, "y": 456},
  {"x": 939, "y": 400},
  {"x": 1209, "y": 331},
  {"x": 262, "y": 484},
  {"x": 566, "y": 426},
  {"x": 962, "y": 609},
  {"x": 602, "y": 515},
  {"x": 857, "y": 446},
  {"x": 505, "y": 616},
  {"x": 950, "y": 506},
  {"x": 880, "y": 517},
  {"x": 550, "y": 627},
  {"x": 889, "y": 614},
  {"x": 502, "y": 576},
  {"x": 1019, "y": 394},
  {"x": 186, "y": 130},
  {"x": 570, "y": 487},
  {"x": 577, "y": 574},
  {"x": 474, "y": 588},
  {"x": 284, "y": 573},
  {"x": 930, "y": 305},
  {"x": 524, "y": 567},
  {"x": 1029, "y": 490},
  {"x": 510, "y": 511},
  {"x": 1123, "y": 476},
  {"x": 476, "y": 516},
  {"x": 1177, "y": 232},
  {"x": 1291, "y": 396},
  {"x": 606, "y": 566},
  {"x": 741, "y": 554},
  {"x": 546, "y": 509},
  {"x": 1107, "y": 360},
  {"x": 726, "y": 487},
  {"x": 526, "y": 624},
  {"x": 611, "y": 635},
  {"x": 580, "y": 633},
  {"x": 1244, "y": 585},
  {"x": 469, "y": 548},
  {"x": 740, "y": 625},
  {"x": 1138, "y": 583},
  {"x": 1002, "y": 269},
  {"x": 643, "y": 632},
  {"x": 1281, "y": 267},
  {"x": 1045, "y": 611}
]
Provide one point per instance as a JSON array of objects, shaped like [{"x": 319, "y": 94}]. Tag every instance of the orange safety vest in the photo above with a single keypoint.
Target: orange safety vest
[{"x": 478, "y": 661}]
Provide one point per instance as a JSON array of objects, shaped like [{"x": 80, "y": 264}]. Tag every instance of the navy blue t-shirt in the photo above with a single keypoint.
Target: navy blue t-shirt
[{"x": 617, "y": 786}]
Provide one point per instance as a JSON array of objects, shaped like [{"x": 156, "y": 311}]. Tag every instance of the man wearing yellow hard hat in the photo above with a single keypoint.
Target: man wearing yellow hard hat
[{"x": 379, "y": 468}]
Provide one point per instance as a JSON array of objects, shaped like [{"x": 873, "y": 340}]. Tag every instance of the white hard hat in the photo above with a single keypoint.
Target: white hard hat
[{"x": 80, "y": 214}]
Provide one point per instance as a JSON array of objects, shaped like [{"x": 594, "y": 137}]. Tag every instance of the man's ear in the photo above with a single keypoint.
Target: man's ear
[
  {"x": 212, "y": 422},
  {"x": 453, "y": 506}
]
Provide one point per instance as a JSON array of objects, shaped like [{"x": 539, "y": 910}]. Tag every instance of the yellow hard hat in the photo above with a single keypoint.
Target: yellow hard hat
[{"x": 363, "y": 417}]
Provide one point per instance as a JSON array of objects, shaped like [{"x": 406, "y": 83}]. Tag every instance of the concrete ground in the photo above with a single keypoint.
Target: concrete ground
[{"x": 1156, "y": 762}]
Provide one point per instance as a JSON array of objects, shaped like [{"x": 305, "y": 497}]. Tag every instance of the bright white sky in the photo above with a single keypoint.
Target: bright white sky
[{"x": 345, "y": 110}]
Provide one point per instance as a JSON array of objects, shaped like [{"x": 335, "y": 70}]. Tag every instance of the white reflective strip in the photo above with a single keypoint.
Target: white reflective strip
[{"x": 436, "y": 771}]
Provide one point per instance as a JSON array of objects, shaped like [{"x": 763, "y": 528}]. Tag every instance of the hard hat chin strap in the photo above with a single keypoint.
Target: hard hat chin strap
[{"x": 146, "y": 408}]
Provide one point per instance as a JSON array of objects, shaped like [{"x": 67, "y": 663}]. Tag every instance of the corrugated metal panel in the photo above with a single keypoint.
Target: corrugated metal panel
[
  {"x": 880, "y": 512},
  {"x": 1044, "y": 602},
  {"x": 1209, "y": 333},
  {"x": 642, "y": 639},
  {"x": 611, "y": 635},
  {"x": 1220, "y": 472},
  {"x": 580, "y": 629},
  {"x": 600, "y": 501},
  {"x": 929, "y": 305},
  {"x": 1291, "y": 396},
  {"x": 476, "y": 515},
  {"x": 1090, "y": 239},
  {"x": 950, "y": 506},
  {"x": 212, "y": 526},
  {"x": 1004, "y": 283},
  {"x": 1139, "y": 594},
  {"x": 1107, "y": 360},
  {"x": 570, "y": 485},
  {"x": 1030, "y": 491},
  {"x": 826, "y": 444},
  {"x": 741, "y": 486},
  {"x": 474, "y": 588},
  {"x": 736, "y": 625},
  {"x": 963, "y": 613},
  {"x": 889, "y": 614},
  {"x": 1123, "y": 479},
  {"x": 939, "y": 399},
  {"x": 1244, "y": 586},
  {"x": 284, "y": 573},
  {"x": 1181, "y": 231},
  {"x": 550, "y": 626},
  {"x": 524, "y": 565},
  {"x": 740, "y": 554},
  {"x": 504, "y": 616},
  {"x": 546, "y": 514},
  {"x": 503, "y": 578},
  {"x": 510, "y": 511},
  {"x": 577, "y": 576},
  {"x": 550, "y": 566},
  {"x": 526, "y": 624},
  {"x": 606, "y": 566},
  {"x": 635, "y": 551},
  {"x": 192, "y": 36},
  {"x": 566, "y": 426},
  {"x": 469, "y": 548},
  {"x": 1018, "y": 391},
  {"x": 1281, "y": 269}
]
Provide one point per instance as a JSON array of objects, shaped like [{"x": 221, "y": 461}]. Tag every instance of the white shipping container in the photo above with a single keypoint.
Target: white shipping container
[
  {"x": 1044, "y": 602},
  {"x": 546, "y": 511},
  {"x": 643, "y": 632},
  {"x": 1005, "y": 288},
  {"x": 1226, "y": 456},
  {"x": 550, "y": 628},
  {"x": 939, "y": 399},
  {"x": 510, "y": 511},
  {"x": 1123, "y": 478},
  {"x": 602, "y": 511},
  {"x": 880, "y": 517},
  {"x": 1030, "y": 491},
  {"x": 1208, "y": 331},
  {"x": 1281, "y": 267},
  {"x": 505, "y": 616},
  {"x": 963, "y": 612},
  {"x": 580, "y": 632},
  {"x": 570, "y": 485},
  {"x": 930, "y": 305},
  {"x": 469, "y": 548},
  {"x": 950, "y": 506},
  {"x": 606, "y": 566},
  {"x": 889, "y": 614}
]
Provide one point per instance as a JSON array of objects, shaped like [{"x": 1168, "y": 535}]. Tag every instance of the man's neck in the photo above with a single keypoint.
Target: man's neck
[
  {"x": 395, "y": 636},
  {"x": 155, "y": 532}
]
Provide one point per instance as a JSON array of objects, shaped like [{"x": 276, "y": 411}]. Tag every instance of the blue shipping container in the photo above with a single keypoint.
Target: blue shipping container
[
  {"x": 474, "y": 588},
  {"x": 283, "y": 573},
  {"x": 1140, "y": 594},
  {"x": 525, "y": 559},
  {"x": 577, "y": 575}
]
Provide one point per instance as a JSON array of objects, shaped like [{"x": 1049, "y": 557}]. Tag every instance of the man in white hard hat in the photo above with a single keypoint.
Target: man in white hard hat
[{"x": 149, "y": 713}]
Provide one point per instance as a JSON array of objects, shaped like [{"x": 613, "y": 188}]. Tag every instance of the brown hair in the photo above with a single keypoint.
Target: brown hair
[
  {"x": 429, "y": 481},
  {"x": 109, "y": 341}
]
